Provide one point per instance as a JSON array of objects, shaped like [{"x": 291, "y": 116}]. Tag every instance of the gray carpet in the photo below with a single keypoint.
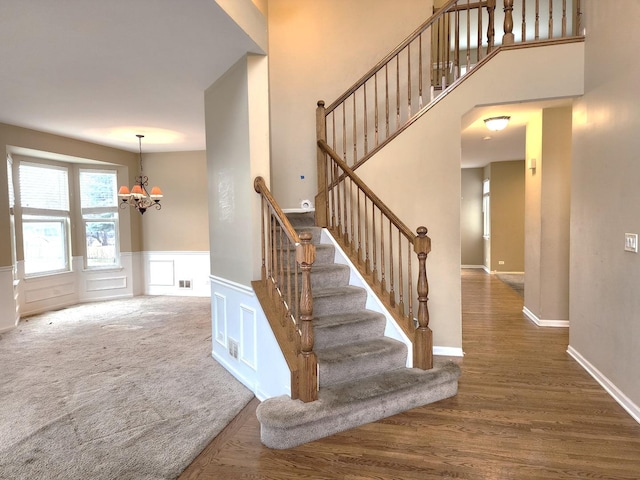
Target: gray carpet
[
  {"x": 514, "y": 280},
  {"x": 125, "y": 389}
]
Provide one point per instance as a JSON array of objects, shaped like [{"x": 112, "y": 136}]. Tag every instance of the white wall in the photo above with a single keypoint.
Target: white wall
[{"x": 605, "y": 305}]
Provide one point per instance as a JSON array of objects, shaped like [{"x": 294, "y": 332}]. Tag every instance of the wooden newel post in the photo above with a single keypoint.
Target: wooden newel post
[
  {"x": 508, "y": 36},
  {"x": 423, "y": 342},
  {"x": 322, "y": 206},
  {"x": 307, "y": 359}
]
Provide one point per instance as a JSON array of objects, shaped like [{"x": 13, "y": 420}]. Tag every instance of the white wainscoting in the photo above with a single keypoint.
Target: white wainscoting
[
  {"x": 9, "y": 315},
  {"x": 624, "y": 401},
  {"x": 164, "y": 272},
  {"x": 238, "y": 319},
  {"x": 50, "y": 292}
]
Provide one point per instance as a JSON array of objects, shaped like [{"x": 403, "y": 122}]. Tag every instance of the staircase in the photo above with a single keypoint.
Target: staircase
[{"x": 362, "y": 373}]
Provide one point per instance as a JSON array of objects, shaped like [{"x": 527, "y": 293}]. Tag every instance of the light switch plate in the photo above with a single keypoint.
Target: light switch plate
[{"x": 631, "y": 242}]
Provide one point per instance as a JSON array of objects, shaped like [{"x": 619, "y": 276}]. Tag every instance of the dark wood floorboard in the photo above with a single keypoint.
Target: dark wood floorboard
[{"x": 525, "y": 410}]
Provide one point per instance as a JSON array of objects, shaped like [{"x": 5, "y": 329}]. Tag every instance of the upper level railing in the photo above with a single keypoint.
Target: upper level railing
[{"x": 444, "y": 49}]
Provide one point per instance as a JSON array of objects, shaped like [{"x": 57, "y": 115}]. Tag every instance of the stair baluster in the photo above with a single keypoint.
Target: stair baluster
[
  {"x": 384, "y": 264},
  {"x": 285, "y": 292}
]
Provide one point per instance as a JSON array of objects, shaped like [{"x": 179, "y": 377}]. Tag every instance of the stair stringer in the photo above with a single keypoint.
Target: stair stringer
[{"x": 392, "y": 329}]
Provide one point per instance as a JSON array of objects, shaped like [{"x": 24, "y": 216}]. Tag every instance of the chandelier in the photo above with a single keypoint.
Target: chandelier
[{"x": 138, "y": 197}]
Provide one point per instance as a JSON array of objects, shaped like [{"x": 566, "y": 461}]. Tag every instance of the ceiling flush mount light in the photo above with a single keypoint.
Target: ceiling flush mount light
[
  {"x": 138, "y": 197},
  {"x": 496, "y": 123}
]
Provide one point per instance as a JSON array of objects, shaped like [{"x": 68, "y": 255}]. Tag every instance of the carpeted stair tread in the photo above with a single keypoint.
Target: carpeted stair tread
[
  {"x": 326, "y": 275},
  {"x": 353, "y": 361},
  {"x": 325, "y": 254},
  {"x": 340, "y": 329},
  {"x": 345, "y": 299},
  {"x": 302, "y": 219},
  {"x": 287, "y": 423}
]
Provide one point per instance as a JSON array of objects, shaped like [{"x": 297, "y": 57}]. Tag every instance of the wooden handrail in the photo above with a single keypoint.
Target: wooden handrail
[
  {"x": 381, "y": 261},
  {"x": 285, "y": 293},
  {"x": 260, "y": 187},
  {"x": 415, "y": 34},
  {"x": 406, "y": 231},
  {"x": 452, "y": 43}
]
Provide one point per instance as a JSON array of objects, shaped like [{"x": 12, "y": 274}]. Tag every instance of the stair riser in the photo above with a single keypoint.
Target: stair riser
[
  {"x": 337, "y": 277},
  {"x": 326, "y": 420},
  {"x": 339, "y": 335},
  {"x": 325, "y": 254},
  {"x": 350, "y": 302},
  {"x": 373, "y": 362}
]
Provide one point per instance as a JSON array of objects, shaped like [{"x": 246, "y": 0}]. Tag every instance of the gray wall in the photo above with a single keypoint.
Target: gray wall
[
  {"x": 236, "y": 111},
  {"x": 605, "y": 198},
  {"x": 547, "y": 208},
  {"x": 471, "y": 245},
  {"x": 507, "y": 216}
]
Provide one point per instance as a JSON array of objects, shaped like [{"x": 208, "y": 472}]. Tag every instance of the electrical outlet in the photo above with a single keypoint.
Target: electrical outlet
[
  {"x": 631, "y": 242},
  {"x": 233, "y": 348},
  {"x": 184, "y": 283},
  {"x": 500, "y": 262}
]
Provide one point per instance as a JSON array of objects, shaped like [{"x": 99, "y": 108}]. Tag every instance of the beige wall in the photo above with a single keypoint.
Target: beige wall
[
  {"x": 425, "y": 160},
  {"x": 183, "y": 222},
  {"x": 507, "y": 216},
  {"x": 471, "y": 244},
  {"x": 548, "y": 190},
  {"x": 605, "y": 305},
  {"x": 237, "y": 127},
  {"x": 12, "y": 137},
  {"x": 316, "y": 51}
]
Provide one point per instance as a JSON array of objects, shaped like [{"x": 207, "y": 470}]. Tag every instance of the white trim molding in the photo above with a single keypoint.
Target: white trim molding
[
  {"x": 624, "y": 401},
  {"x": 542, "y": 322},
  {"x": 176, "y": 273},
  {"x": 242, "y": 340},
  {"x": 448, "y": 351},
  {"x": 9, "y": 311},
  {"x": 482, "y": 267}
]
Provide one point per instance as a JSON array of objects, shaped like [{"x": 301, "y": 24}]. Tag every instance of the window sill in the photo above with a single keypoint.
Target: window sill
[{"x": 115, "y": 268}]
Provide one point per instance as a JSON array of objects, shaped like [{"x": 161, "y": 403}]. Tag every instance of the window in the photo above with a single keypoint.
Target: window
[
  {"x": 99, "y": 206},
  {"x": 486, "y": 210},
  {"x": 44, "y": 197}
]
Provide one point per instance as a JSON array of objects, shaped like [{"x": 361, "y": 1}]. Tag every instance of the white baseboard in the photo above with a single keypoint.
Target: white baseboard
[
  {"x": 448, "y": 351},
  {"x": 542, "y": 322},
  {"x": 624, "y": 401},
  {"x": 472, "y": 266},
  {"x": 298, "y": 210}
]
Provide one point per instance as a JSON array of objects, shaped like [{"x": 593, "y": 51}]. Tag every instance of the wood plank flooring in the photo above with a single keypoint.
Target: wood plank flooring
[{"x": 525, "y": 410}]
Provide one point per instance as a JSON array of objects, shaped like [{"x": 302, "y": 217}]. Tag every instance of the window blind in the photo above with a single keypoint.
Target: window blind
[{"x": 44, "y": 187}]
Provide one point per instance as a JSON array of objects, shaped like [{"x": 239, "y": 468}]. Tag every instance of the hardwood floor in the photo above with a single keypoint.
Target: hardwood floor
[{"x": 525, "y": 410}]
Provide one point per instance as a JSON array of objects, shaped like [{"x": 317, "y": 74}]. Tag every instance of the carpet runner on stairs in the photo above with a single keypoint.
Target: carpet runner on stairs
[{"x": 362, "y": 374}]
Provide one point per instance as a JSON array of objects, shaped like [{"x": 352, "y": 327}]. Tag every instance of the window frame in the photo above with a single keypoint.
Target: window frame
[
  {"x": 34, "y": 215},
  {"x": 86, "y": 212}
]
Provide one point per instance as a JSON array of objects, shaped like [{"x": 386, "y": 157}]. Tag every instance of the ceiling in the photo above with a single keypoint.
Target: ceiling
[
  {"x": 102, "y": 71},
  {"x": 481, "y": 146}
]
